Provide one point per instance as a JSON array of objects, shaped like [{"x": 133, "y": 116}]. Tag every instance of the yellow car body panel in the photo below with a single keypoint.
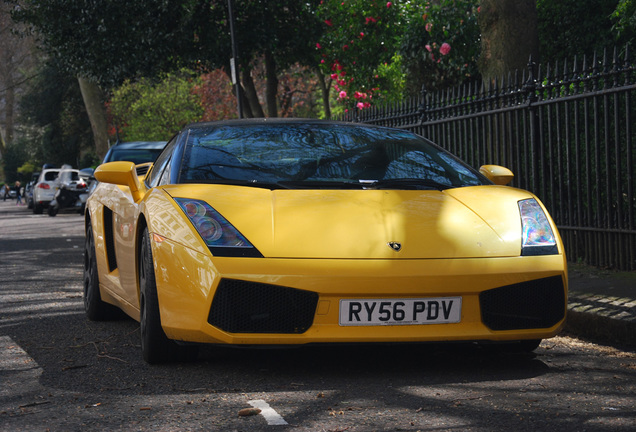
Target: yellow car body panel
[
  {"x": 457, "y": 242},
  {"x": 358, "y": 224}
]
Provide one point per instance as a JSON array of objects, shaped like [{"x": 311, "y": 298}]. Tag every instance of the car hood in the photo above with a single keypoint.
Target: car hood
[{"x": 469, "y": 222}]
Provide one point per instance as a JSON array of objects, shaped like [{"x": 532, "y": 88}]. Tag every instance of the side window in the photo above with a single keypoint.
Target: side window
[
  {"x": 159, "y": 174},
  {"x": 165, "y": 176}
]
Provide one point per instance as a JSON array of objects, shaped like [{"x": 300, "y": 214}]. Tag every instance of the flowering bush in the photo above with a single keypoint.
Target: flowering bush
[
  {"x": 441, "y": 43},
  {"x": 357, "y": 47}
]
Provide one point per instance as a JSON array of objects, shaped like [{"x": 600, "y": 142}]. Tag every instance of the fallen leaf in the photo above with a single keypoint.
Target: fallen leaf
[{"x": 245, "y": 412}]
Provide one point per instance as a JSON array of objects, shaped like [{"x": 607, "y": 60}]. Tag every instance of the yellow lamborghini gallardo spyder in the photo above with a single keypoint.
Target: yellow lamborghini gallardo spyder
[{"x": 278, "y": 232}]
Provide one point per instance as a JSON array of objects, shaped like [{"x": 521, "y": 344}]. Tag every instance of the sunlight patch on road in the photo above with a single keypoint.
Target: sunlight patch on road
[
  {"x": 21, "y": 372},
  {"x": 270, "y": 415}
]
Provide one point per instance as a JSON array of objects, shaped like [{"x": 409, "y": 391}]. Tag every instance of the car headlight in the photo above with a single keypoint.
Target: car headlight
[
  {"x": 537, "y": 237},
  {"x": 217, "y": 233}
]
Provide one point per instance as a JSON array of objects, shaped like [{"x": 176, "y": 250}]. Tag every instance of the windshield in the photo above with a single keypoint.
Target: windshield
[
  {"x": 324, "y": 155},
  {"x": 137, "y": 156}
]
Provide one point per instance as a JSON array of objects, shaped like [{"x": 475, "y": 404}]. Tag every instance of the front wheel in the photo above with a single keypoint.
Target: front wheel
[
  {"x": 155, "y": 345},
  {"x": 95, "y": 308}
]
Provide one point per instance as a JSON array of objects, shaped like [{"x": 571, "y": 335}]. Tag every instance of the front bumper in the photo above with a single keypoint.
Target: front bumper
[{"x": 502, "y": 298}]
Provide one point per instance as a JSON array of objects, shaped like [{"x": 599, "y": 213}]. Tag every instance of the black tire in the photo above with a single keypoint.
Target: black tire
[
  {"x": 52, "y": 210},
  {"x": 38, "y": 209},
  {"x": 155, "y": 345},
  {"x": 95, "y": 308}
]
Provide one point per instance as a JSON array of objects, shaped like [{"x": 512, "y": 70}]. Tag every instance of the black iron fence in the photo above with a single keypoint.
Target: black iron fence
[{"x": 566, "y": 132}]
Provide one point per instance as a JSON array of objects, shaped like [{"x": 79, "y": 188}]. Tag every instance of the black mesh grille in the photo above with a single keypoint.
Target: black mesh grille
[
  {"x": 109, "y": 237},
  {"x": 527, "y": 305},
  {"x": 142, "y": 169},
  {"x": 251, "y": 307}
]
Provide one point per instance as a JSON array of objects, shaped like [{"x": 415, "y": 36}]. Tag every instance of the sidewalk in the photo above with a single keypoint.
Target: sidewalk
[{"x": 602, "y": 305}]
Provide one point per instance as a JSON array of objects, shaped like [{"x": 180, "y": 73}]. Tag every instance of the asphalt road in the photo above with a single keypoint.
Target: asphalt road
[{"x": 61, "y": 372}]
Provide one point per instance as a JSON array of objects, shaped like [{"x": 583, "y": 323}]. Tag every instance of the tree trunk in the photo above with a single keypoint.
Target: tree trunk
[
  {"x": 250, "y": 93},
  {"x": 9, "y": 105},
  {"x": 509, "y": 36},
  {"x": 3, "y": 147},
  {"x": 271, "y": 91},
  {"x": 93, "y": 101},
  {"x": 325, "y": 92}
]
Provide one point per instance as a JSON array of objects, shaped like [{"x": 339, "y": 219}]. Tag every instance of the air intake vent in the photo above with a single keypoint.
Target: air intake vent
[
  {"x": 251, "y": 307},
  {"x": 528, "y": 305}
]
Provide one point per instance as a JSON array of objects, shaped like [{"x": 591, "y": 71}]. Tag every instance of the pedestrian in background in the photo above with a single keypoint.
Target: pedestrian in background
[{"x": 18, "y": 195}]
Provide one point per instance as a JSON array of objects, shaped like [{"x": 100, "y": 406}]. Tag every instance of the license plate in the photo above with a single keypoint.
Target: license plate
[{"x": 415, "y": 311}]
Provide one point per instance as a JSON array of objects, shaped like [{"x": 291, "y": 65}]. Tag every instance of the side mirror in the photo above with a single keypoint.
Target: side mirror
[
  {"x": 497, "y": 174},
  {"x": 122, "y": 174}
]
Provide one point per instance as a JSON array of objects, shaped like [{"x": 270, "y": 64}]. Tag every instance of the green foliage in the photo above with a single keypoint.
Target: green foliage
[
  {"x": 149, "y": 111},
  {"x": 359, "y": 36},
  {"x": 574, "y": 27},
  {"x": 624, "y": 17},
  {"x": 430, "y": 25},
  {"x": 27, "y": 169},
  {"x": 53, "y": 113},
  {"x": 110, "y": 41},
  {"x": 15, "y": 156}
]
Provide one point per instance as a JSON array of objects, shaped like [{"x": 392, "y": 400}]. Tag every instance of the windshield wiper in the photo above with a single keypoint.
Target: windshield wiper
[
  {"x": 247, "y": 183},
  {"x": 406, "y": 183},
  {"x": 322, "y": 184}
]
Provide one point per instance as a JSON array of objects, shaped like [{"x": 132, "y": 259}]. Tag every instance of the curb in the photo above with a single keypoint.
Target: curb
[{"x": 608, "y": 319}]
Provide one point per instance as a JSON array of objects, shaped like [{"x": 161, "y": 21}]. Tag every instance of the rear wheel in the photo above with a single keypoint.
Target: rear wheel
[
  {"x": 52, "y": 210},
  {"x": 95, "y": 308},
  {"x": 155, "y": 345}
]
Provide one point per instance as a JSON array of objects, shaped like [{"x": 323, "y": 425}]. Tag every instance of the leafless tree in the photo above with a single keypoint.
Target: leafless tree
[{"x": 16, "y": 61}]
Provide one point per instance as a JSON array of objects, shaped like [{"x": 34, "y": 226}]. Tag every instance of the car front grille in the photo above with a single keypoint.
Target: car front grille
[
  {"x": 528, "y": 305},
  {"x": 252, "y": 307}
]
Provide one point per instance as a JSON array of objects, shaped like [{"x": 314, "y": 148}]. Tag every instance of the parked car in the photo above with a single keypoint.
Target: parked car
[
  {"x": 44, "y": 189},
  {"x": 28, "y": 190},
  {"x": 8, "y": 192},
  {"x": 138, "y": 152},
  {"x": 69, "y": 186},
  {"x": 274, "y": 231}
]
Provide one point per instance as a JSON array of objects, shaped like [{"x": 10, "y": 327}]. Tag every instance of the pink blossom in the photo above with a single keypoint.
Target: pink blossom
[
  {"x": 334, "y": 76},
  {"x": 361, "y": 35},
  {"x": 342, "y": 94},
  {"x": 370, "y": 19},
  {"x": 322, "y": 61},
  {"x": 428, "y": 48},
  {"x": 428, "y": 27},
  {"x": 389, "y": 4},
  {"x": 318, "y": 46},
  {"x": 328, "y": 22},
  {"x": 360, "y": 105},
  {"x": 444, "y": 49}
]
